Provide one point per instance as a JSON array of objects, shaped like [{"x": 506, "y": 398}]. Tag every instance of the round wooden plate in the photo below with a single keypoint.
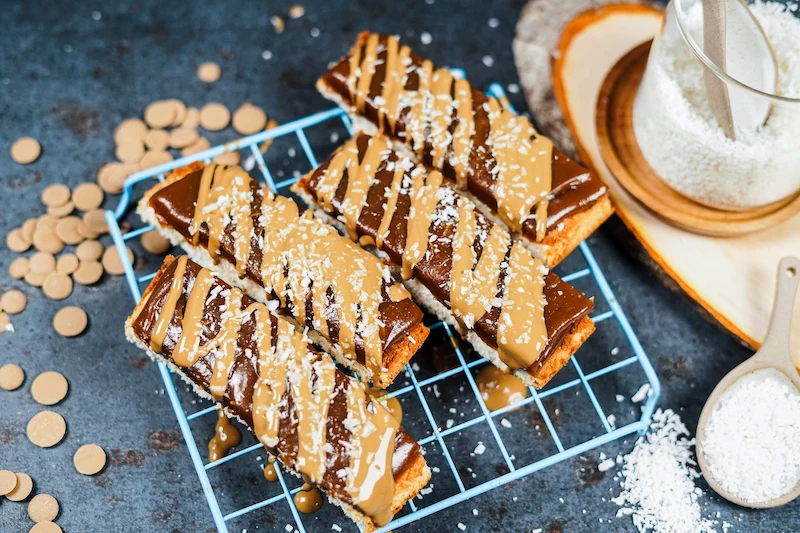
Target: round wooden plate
[{"x": 621, "y": 153}]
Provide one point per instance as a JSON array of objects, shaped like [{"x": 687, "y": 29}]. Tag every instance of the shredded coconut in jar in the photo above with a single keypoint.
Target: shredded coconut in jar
[
  {"x": 752, "y": 441},
  {"x": 680, "y": 138}
]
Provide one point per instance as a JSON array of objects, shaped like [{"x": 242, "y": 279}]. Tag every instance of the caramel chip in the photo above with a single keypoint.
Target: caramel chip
[
  {"x": 130, "y": 152},
  {"x": 154, "y": 158},
  {"x": 67, "y": 230},
  {"x": 201, "y": 144},
  {"x": 112, "y": 263},
  {"x": 154, "y": 243},
  {"x": 49, "y": 388},
  {"x": 214, "y": 117},
  {"x": 89, "y": 251},
  {"x": 55, "y": 195},
  {"x": 86, "y": 231},
  {"x": 7, "y": 482},
  {"x": 249, "y": 119},
  {"x": 160, "y": 114},
  {"x": 5, "y": 322},
  {"x": 34, "y": 279},
  {"x": 46, "y": 527},
  {"x": 192, "y": 118},
  {"x": 157, "y": 140},
  {"x": 43, "y": 508},
  {"x": 16, "y": 241},
  {"x": 13, "y": 302},
  {"x": 89, "y": 459},
  {"x": 87, "y": 196},
  {"x": 19, "y": 267},
  {"x": 227, "y": 158},
  {"x": 46, "y": 222},
  {"x": 45, "y": 239},
  {"x": 46, "y": 429},
  {"x": 70, "y": 321},
  {"x": 23, "y": 488},
  {"x": 111, "y": 176},
  {"x": 88, "y": 272},
  {"x": 57, "y": 286},
  {"x": 96, "y": 220},
  {"x": 67, "y": 264},
  {"x": 208, "y": 72},
  {"x": 180, "y": 112},
  {"x": 183, "y": 137},
  {"x": 131, "y": 129},
  {"x": 62, "y": 210},
  {"x": 42, "y": 263},
  {"x": 25, "y": 150},
  {"x": 11, "y": 378},
  {"x": 29, "y": 227}
]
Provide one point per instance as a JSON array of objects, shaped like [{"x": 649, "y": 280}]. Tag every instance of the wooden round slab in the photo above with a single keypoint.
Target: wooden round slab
[{"x": 624, "y": 158}]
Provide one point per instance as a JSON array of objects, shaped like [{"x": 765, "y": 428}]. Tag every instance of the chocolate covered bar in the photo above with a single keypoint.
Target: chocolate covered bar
[
  {"x": 344, "y": 296},
  {"x": 261, "y": 369},
  {"x": 455, "y": 261},
  {"x": 473, "y": 140}
]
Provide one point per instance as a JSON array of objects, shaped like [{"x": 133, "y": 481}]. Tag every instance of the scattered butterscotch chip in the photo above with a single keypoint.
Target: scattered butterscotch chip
[
  {"x": 55, "y": 195},
  {"x": 180, "y": 112},
  {"x": 160, "y": 114},
  {"x": 130, "y": 152},
  {"x": 5, "y": 321},
  {"x": 11, "y": 378},
  {"x": 16, "y": 241},
  {"x": 46, "y": 222},
  {"x": 43, "y": 508},
  {"x": 70, "y": 321},
  {"x": 131, "y": 129},
  {"x": 111, "y": 176},
  {"x": 35, "y": 279},
  {"x": 67, "y": 264},
  {"x": 45, "y": 239},
  {"x": 46, "y": 527},
  {"x": 67, "y": 230},
  {"x": 87, "y": 196},
  {"x": 62, "y": 210},
  {"x": 154, "y": 243},
  {"x": 227, "y": 158},
  {"x": 153, "y": 158},
  {"x": 192, "y": 118},
  {"x": 89, "y": 459},
  {"x": 182, "y": 137},
  {"x": 112, "y": 263},
  {"x": 29, "y": 227},
  {"x": 57, "y": 286},
  {"x": 96, "y": 220},
  {"x": 49, "y": 388},
  {"x": 23, "y": 488},
  {"x": 209, "y": 72},
  {"x": 19, "y": 267},
  {"x": 88, "y": 272},
  {"x": 89, "y": 251},
  {"x": 46, "y": 429},
  {"x": 157, "y": 140},
  {"x": 201, "y": 144},
  {"x": 87, "y": 232},
  {"x": 214, "y": 117},
  {"x": 25, "y": 150},
  {"x": 13, "y": 302},
  {"x": 249, "y": 119},
  {"x": 8, "y": 481},
  {"x": 42, "y": 263}
]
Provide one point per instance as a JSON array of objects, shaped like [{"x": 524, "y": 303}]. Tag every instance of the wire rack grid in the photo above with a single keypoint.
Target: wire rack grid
[{"x": 416, "y": 385}]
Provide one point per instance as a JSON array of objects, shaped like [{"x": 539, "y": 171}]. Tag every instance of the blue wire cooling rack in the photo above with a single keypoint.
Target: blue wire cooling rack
[{"x": 607, "y": 374}]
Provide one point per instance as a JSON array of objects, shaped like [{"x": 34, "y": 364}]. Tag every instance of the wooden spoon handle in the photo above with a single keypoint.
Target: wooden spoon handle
[{"x": 785, "y": 291}]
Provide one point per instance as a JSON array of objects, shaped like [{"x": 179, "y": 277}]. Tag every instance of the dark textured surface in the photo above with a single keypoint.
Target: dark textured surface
[{"x": 71, "y": 101}]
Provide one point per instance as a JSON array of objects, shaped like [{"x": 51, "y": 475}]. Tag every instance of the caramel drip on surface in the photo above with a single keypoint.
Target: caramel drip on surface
[
  {"x": 270, "y": 473},
  {"x": 499, "y": 389},
  {"x": 521, "y": 330},
  {"x": 308, "y": 500},
  {"x": 168, "y": 309},
  {"x": 524, "y": 169},
  {"x": 226, "y": 436},
  {"x": 424, "y": 199}
]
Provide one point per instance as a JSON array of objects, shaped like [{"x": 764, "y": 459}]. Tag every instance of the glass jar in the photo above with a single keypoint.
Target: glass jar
[{"x": 679, "y": 135}]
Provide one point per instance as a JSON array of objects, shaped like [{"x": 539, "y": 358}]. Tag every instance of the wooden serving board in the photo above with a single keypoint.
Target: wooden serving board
[{"x": 733, "y": 279}]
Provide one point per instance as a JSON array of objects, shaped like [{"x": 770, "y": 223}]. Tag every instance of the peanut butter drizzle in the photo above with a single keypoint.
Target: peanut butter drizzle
[
  {"x": 291, "y": 368},
  {"x": 462, "y": 136},
  {"x": 524, "y": 178},
  {"x": 391, "y": 404},
  {"x": 308, "y": 500},
  {"x": 391, "y": 203},
  {"x": 226, "y": 436},
  {"x": 314, "y": 254},
  {"x": 367, "y": 70},
  {"x": 396, "y": 76},
  {"x": 358, "y": 182},
  {"x": 441, "y": 115},
  {"x": 165, "y": 317},
  {"x": 424, "y": 199},
  {"x": 499, "y": 389},
  {"x": 186, "y": 352}
]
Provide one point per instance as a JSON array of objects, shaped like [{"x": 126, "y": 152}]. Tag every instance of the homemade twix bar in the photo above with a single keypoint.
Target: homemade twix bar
[
  {"x": 473, "y": 140},
  {"x": 457, "y": 262},
  {"x": 344, "y": 296},
  {"x": 261, "y": 369}
]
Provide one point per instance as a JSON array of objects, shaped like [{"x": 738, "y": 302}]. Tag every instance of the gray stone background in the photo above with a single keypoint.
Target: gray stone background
[{"x": 67, "y": 79}]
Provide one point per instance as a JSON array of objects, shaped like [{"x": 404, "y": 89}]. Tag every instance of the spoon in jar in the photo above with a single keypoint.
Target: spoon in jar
[
  {"x": 735, "y": 42},
  {"x": 774, "y": 354}
]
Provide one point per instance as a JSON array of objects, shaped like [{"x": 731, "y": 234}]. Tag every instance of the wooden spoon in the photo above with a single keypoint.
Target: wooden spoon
[{"x": 773, "y": 354}]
